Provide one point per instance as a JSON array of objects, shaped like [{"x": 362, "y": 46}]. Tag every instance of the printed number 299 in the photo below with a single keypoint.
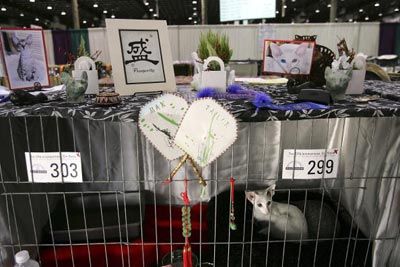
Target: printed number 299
[
  {"x": 319, "y": 166},
  {"x": 66, "y": 170}
]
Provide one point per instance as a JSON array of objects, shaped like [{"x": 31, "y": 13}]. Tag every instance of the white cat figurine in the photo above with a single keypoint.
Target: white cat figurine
[
  {"x": 281, "y": 216},
  {"x": 26, "y": 65},
  {"x": 289, "y": 58}
]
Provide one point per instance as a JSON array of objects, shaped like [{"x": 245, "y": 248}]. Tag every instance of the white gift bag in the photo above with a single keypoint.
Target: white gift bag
[
  {"x": 87, "y": 64},
  {"x": 356, "y": 84},
  {"x": 214, "y": 79}
]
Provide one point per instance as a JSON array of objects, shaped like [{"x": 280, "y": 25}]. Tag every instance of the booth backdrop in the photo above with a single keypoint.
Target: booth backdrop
[{"x": 246, "y": 40}]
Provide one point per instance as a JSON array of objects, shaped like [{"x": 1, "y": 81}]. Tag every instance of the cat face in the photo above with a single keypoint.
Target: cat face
[
  {"x": 21, "y": 44},
  {"x": 291, "y": 57},
  {"x": 262, "y": 199}
]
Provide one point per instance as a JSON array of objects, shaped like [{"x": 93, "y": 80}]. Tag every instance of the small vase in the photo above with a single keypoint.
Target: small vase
[{"x": 337, "y": 82}]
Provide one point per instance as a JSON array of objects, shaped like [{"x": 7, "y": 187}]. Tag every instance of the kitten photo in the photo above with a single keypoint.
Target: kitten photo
[
  {"x": 288, "y": 58},
  {"x": 26, "y": 65},
  {"x": 25, "y": 57}
]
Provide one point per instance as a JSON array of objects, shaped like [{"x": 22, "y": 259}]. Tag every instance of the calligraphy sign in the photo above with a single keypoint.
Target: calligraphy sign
[{"x": 140, "y": 56}]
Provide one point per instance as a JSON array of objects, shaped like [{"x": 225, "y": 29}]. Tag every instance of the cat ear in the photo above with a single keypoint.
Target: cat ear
[
  {"x": 15, "y": 39},
  {"x": 271, "y": 190},
  {"x": 251, "y": 195},
  {"x": 275, "y": 50},
  {"x": 301, "y": 50},
  {"x": 29, "y": 39}
]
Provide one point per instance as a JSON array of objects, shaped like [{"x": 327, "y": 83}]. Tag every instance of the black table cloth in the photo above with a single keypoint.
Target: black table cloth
[{"x": 386, "y": 106}]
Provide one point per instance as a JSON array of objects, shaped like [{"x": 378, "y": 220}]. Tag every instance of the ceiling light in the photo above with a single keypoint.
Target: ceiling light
[
  {"x": 63, "y": 13},
  {"x": 151, "y": 10},
  {"x": 146, "y": 3},
  {"x": 285, "y": 6},
  {"x": 361, "y": 10},
  {"x": 105, "y": 11},
  {"x": 32, "y": 1},
  {"x": 154, "y": 15},
  {"x": 366, "y": 18},
  {"x": 396, "y": 10},
  {"x": 21, "y": 15},
  {"x": 84, "y": 22},
  {"x": 293, "y": 0},
  {"x": 113, "y": 16},
  {"x": 377, "y": 4},
  {"x": 194, "y": 8},
  {"x": 190, "y": 18},
  {"x": 277, "y": 12},
  {"x": 36, "y": 19},
  {"x": 380, "y": 15},
  {"x": 350, "y": 20},
  {"x": 49, "y": 7},
  {"x": 3, "y": 9},
  {"x": 194, "y": 2},
  {"x": 195, "y": 22},
  {"x": 317, "y": 11},
  {"x": 329, "y": 5},
  {"x": 95, "y": 5},
  {"x": 194, "y": 13}
]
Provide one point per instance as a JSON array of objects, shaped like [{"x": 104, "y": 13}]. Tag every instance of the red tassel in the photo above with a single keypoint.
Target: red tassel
[{"x": 187, "y": 255}]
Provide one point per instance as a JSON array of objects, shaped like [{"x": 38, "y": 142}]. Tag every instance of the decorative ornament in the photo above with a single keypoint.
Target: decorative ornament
[
  {"x": 186, "y": 227},
  {"x": 232, "y": 224},
  {"x": 75, "y": 88}
]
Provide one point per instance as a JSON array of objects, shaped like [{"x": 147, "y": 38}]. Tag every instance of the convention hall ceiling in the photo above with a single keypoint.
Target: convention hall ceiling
[{"x": 53, "y": 13}]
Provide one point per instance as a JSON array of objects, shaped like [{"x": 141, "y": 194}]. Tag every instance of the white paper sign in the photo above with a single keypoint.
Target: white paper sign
[
  {"x": 206, "y": 131},
  {"x": 310, "y": 163},
  {"x": 48, "y": 167}
]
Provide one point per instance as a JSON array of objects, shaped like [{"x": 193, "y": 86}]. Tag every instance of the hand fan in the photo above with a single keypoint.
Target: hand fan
[
  {"x": 159, "y": 121},
  {"x": 206, "y": 131}
]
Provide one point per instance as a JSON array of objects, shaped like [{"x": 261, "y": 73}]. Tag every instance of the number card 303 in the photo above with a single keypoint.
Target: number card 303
[
  {"x": 310, "y": 163},
  {"x": 54, "y": 167}
]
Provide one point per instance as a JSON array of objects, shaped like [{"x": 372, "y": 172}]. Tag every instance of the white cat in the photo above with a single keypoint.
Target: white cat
[
  {"x": 26, "y": 65},
  {"x": 281, "y": 216},
  {"x": 289, "y": 58}
]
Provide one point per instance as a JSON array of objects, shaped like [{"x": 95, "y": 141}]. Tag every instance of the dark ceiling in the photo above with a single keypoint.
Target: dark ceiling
[{"x": 48, "y": 13}]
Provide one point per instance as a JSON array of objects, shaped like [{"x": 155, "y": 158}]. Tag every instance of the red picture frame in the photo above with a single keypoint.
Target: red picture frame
[
  {"x": 290, "y": 61},
  {"x": 9, "y": 67}
]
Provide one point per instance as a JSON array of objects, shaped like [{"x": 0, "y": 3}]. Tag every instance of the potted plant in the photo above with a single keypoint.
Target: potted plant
[{"x": 214, "y": 44}]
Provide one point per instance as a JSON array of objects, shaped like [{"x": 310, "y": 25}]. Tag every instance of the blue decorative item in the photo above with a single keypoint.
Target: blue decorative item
[
  {"x": 235, "y": 89},
  {"x": 206, "y": 92},
  {"x": 261, "y": 99}
]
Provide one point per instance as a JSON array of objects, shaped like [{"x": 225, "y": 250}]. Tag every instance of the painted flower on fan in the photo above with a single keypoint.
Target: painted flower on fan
[{"x": 261, "y": 99}]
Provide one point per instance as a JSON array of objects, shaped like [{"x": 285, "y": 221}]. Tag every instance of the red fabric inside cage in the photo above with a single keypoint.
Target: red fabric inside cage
[{"x": 116, "y": 255}]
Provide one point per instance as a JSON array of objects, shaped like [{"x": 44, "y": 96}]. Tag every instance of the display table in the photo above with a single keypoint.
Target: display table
[
  {"x": 128, "y": 110},
  {"x": 117, "y": 158}
]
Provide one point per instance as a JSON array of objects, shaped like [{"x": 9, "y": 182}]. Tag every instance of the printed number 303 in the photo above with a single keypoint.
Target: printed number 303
[
  {"x": 319, "y": 166},
  {"x": 71, "y": 170}
]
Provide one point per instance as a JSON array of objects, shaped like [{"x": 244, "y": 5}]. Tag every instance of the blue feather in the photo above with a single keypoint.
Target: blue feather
[
  {"x": 206, "y": 92},
  {"x": 235, "y": 89},
  {"x": 261, "y": 99}
]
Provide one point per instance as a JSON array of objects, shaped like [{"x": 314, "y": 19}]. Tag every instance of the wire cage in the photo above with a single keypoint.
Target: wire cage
[{"x": 124, "y": 214}]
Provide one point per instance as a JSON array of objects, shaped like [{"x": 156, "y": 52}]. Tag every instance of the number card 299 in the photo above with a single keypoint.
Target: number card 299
[
  {"x": 50, "y": 167},
  {"x": 310, "y": 163}
]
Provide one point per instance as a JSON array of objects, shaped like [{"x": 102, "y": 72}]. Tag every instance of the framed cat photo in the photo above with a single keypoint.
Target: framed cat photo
[
  {"x": 140, "y": 56},
  {"x": 24, "y": 56},
  {"x": 284, "y": 57}
]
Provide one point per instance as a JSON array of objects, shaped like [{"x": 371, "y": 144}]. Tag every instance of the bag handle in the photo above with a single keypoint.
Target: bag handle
[{"x": 217, "y": 59}]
